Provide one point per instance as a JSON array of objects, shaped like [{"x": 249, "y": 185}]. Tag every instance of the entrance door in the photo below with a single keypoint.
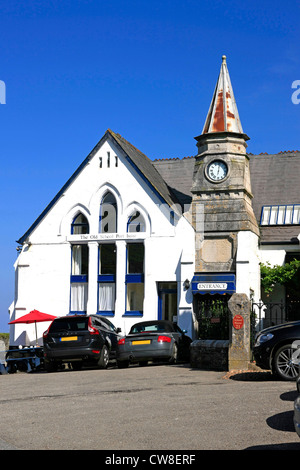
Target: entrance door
[
  {"x": 167, "y": 301},
  {"x": 212, "y": 313}
]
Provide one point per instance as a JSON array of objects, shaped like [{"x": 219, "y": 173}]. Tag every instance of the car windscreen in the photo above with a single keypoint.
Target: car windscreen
[
  {"x": 69, "y": 324},
  {"x": 148, "y": 328}
]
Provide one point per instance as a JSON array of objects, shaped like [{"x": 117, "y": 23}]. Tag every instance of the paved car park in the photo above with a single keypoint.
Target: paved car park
[{"x": 157, "y": 407}]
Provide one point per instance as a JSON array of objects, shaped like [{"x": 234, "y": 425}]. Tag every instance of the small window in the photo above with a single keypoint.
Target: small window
[
  {"x": 108, "y": 214},
  {"x": 136, "y": 223},
  {"x": 288, "y": 214},
  {"x": 80, "y": 225}
]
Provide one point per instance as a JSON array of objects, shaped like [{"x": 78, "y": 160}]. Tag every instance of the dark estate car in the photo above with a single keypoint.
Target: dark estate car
[
  {"x": 80, "y": 340},
  {"x": 276, "y": 349},
  {"x": 153, "y": 341}
]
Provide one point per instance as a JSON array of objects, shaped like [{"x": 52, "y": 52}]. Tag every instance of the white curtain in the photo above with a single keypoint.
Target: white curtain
[
  {"x": 107, "y": 293},
  {"x": 77, "y": 260},
  {"x": 79, "y": 293}
]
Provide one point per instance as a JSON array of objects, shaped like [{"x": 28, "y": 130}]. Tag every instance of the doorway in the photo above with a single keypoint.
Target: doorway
[
  {"x": 167, "y": 301},
  {"x": 212, "y": 314}
]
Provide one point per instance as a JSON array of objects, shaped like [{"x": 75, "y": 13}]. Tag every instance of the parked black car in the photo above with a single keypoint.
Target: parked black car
[
  {"x": 80, "y": 340},
  {"x": 276, "y": 349},
  {"x": 153, "y": 341}
]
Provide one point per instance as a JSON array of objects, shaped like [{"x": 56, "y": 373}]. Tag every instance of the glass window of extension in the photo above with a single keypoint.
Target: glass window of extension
[
  {"x": 136, "y": 223},
  {"x": 107, "y": 279},
  {"x": 79, "y": 279},
  {"x": 288, "y": 214},
  {"x": 108, "y": 214},
  {"x": 80, "y": 225},
  {"x": 135, "y": 279}
]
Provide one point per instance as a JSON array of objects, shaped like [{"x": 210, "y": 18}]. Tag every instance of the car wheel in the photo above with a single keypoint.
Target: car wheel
[
  {"x": 122, "y": 364},
  {"x": 104, "y": 358},
  {"x": 76, "y": 365},
  {"x": 283, "y": 365},
  {"x": 174, "y": 357}
]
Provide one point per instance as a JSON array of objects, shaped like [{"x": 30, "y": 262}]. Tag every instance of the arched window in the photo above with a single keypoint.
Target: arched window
[
  {"x": 108, "y": 214},
  {"x": 136, "y": 223},
  {"x": 79, "y": 225}
]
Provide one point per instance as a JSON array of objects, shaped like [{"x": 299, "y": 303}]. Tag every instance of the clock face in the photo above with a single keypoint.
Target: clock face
[{"x": 217, "y": 170}]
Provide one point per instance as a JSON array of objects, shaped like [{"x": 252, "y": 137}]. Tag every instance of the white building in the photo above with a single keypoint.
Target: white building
[{"x": 135, "y": 239}]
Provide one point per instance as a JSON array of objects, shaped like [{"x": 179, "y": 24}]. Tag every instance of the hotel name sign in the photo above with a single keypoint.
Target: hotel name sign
[{"x": 104, "y": 236}]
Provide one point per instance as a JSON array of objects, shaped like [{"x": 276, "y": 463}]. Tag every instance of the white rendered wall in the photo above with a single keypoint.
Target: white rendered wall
[
  {"x": 43, "y": 267},
  {"x": 247, "y": 265}
]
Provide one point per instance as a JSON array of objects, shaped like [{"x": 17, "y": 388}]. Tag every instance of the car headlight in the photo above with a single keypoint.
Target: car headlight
[{"x": 263, "y": 338}]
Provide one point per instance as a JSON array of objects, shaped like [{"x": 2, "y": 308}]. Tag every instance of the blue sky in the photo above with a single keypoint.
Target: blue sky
[{"x": 147, "y": 70}]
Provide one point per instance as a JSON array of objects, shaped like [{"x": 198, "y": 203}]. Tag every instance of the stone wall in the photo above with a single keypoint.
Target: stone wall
[{"x": 209, "y": 354}]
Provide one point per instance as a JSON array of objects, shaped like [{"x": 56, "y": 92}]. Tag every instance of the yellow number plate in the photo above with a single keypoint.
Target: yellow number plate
[
  {"x": 69, "y": 338},
  {"x": 145, "y": 341}
]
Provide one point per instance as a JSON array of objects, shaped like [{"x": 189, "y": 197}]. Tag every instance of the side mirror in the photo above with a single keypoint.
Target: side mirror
[{"x": 119, "y": 330}]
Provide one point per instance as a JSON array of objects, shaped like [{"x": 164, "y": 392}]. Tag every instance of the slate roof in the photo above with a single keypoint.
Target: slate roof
[
  {"x": 145, "y": 167},
  {"x": 274, "y": 180}
]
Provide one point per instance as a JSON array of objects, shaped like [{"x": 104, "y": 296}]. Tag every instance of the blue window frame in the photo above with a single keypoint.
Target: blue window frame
[
  {"x": 79, "y": 279},
  {"x": 107, "y": 279},
  {"x": 135, "y": 279}
]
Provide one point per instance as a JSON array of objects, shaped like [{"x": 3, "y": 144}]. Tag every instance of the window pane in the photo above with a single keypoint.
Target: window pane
[
  {"x": 281, "y": 213},
  {"x": 273, "y": 218},
  {"x": 296, "y": 216},
  {"x": 79, "y": 260},
  {"x": 136, "y": 223},
  {"x": 107, "y": 294},
  {"x": 135, "y": 297},
  {"x": 79, "y": 293},
  {"x": 107, "y": 259},
  {"x": 288, "y": 214},
  {"x": 108, "y": 214},
  {"x": 265, "y": 215},
  {"x": 135, "y": 254},
  {"x": 80, "y": 225}
]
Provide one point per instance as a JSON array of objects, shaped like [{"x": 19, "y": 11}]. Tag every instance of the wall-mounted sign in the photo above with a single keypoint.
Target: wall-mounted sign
[
  {"x": 212, "y": 286},
  {"x": 222, "y": 283},
  {"x": 238, "y": 322}
]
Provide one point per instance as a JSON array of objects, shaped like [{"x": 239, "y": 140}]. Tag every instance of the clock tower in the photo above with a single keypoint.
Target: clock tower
[{"x": 227, "y": 232}]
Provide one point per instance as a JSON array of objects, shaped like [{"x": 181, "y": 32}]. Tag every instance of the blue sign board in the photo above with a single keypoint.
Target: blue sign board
[{"x": 213, "y": 284}]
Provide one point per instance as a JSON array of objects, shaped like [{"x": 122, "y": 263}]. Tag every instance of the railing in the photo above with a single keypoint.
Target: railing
[{"x": 266, "y": 314}]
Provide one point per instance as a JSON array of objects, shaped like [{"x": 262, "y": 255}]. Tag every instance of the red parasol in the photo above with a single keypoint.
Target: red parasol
[{"x": 33, "y": 317}]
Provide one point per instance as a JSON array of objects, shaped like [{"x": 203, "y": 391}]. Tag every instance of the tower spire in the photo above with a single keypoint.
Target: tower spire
[{"x": 223, "y": 114}]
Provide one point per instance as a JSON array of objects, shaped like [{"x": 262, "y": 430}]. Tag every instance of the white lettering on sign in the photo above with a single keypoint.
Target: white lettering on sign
[{"x": 212, "y": 286}]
